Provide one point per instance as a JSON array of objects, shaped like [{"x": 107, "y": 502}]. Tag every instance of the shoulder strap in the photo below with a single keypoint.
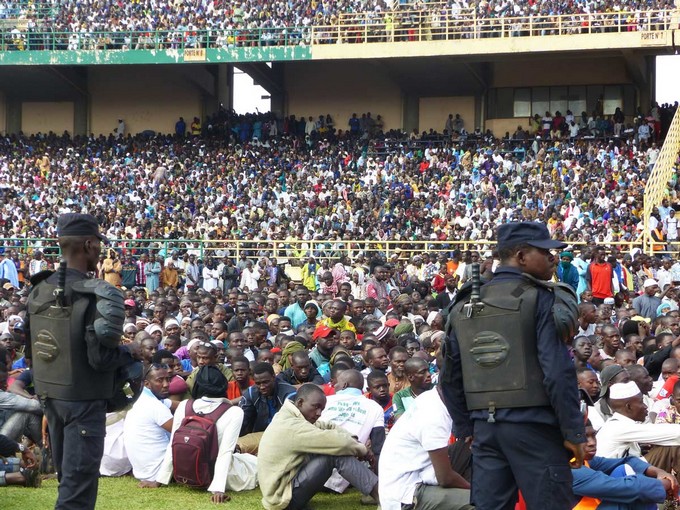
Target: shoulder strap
[
  {"x": 189, "y": 409},
  {"x": 39, "y": 277},
  {"x": 217, "y": 413}
]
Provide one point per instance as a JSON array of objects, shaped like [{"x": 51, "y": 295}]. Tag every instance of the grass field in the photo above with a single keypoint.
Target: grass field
[{"x": 123, "y": 494}]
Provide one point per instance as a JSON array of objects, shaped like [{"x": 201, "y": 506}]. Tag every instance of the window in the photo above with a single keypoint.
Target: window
[
  {"x": 613, "y": 99},
  {"x": 559, "y": 100},
  {"x": 540, "y": 101},
  {"x": 522, "y": 103},
  {"x": 526, "y": 102}
]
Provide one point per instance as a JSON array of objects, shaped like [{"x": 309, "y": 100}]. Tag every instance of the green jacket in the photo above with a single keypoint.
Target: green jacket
[{"x": 284, "y": 447}]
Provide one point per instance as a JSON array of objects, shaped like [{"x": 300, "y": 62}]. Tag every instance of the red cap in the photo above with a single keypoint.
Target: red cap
[
  {"x": 322, "y": 332},
  {"x": 391, "y": 323},
  {"x": 130, "y": 302}
]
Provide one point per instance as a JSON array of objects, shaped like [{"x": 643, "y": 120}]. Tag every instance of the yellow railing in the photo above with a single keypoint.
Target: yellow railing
[
  {"x": 657, "y": 184},
  {"x": 286, "y": 251},
  {"x": 447, "y": 23}
]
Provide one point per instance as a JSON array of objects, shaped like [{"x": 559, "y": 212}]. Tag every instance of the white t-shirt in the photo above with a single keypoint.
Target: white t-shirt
[
  {"x": 145, "y": 438},
  {"x": 353, "y": 412},
  {"x": 358, "y": 415},
  {"x": 404, "y": 460}
]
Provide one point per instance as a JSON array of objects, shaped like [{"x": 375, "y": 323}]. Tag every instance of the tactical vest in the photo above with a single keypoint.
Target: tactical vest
[
  {"x": 60, "y": 363},
  {"x": 498, "y": 349}
]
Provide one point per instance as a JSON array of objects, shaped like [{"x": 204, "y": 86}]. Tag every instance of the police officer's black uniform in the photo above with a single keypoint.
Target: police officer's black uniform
[
  {"x": 76, "y": 357},
  {"x": 509, "y": 382}
]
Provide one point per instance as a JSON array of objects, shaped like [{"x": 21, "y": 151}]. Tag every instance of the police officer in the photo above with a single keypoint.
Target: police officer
[
  {"x": 508, "y": 379},
  {"x": 75, "y": 328}
]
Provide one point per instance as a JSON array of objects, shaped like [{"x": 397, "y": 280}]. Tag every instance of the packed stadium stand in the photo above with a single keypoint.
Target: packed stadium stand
[{"x": 338, "y": 227}]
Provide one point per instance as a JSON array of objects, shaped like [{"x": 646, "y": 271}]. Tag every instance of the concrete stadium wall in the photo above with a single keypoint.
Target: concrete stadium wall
[
  {"x": 145, "y": 98},
  {"x": 434, "y": 111},
  {"x": 565, "y": 71},
  {"x": 341, "y": 89},
  {"x": 43, "y": 117}
]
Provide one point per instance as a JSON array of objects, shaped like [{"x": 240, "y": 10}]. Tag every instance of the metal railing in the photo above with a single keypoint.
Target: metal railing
[
  {"x": 21, "y": 9},
  {"x": 294, "y": 252},
  {"x": 361, "y": 28},
  {"x": 657, "y": 184},
  {"x": 451, "y": 23}
]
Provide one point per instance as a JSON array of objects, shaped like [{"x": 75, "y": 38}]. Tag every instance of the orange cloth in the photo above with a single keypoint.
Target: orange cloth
[
  {"x": 587, "y": 503},
  {"x": 234, "y": 390}
]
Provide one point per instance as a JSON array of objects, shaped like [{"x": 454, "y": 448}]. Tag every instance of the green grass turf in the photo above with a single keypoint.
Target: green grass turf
[{"x": 123, "y": 494}]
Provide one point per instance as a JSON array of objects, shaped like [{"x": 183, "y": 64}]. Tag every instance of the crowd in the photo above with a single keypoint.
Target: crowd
[
  {"x": 356, "y": 347},
  {"x": 219, "y": 24},
  {"x": 312, "y": 184},
  {"x": 356, "y": 339}
]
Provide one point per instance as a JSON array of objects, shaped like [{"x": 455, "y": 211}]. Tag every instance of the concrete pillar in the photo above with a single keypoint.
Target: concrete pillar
[
  {"x": 13, "y": 115},
  {"x": 410, "y": 116},
  {"x": 279, "y": 104},
  {"x": 225, "y": 86},
  {"x": 81, "y": 116},
  {"x": 650, "y": 89},
  {"x": 480, "y": 112},
  {"x": 279, "y": 98}
]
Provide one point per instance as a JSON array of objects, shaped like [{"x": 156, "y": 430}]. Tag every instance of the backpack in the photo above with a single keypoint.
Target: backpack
[{"x": 195, "y": 447}]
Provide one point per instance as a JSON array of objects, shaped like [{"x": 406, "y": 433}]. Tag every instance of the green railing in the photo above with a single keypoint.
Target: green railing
[
  {"x": 19, "y": 9},
  {"x": 179, "y": 40},
  {"x": 392, "y": 26},
  {"x": 285, "y": 251}
]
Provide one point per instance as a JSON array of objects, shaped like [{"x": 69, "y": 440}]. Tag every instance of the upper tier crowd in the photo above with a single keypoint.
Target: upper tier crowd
[
  {"x": 233, "y": 24},
  {"x": 256, "y": 177}
]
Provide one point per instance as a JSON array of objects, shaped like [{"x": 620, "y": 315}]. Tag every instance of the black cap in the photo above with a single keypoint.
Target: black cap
[
  {"x": 608, "y": 373},
  {"x": 78, "y": 225},
  {"x": 209, "y": 382},
  {"x": 531, "y": 233}
]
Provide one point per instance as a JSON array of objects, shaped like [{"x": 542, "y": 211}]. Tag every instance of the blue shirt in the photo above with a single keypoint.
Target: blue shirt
[{"x": 617, "y": 492}]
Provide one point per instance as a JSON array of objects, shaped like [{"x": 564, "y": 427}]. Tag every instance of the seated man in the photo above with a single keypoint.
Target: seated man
[
  {"x": 13, "y": 471},
  {"x": 625, "y": 431},
  {"x": 260, "y": 403},
  {"x": 301, "y": 371},
  {"x": 178, "y": 385},
  {"x": 19, "y": 416},
  {"x": 415, "y": 470},
  {"x": 358, "y": 415},
  {"x": 233, "y": 471},
  {"x": 379, "y": 391},
  {"x": 240, "y": 366},
  {"x": 298, "y": 454},
  {"x": 625, "y": 483},
  {"x": 417, "y": 372},
  {"x": 206, "y": 354},
  {"x": 148, "y": 425}
]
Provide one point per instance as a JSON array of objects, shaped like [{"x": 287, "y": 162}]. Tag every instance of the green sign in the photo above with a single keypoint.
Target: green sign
[{"x": 164, "y": 56}]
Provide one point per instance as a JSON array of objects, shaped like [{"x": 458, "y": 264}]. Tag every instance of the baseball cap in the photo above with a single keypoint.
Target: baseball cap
[
  {"x": 531, "y": 233},
  {"x": 79, "y": 225},
  {"x": 322, "y": 332},
  {"x": 391, "y": 323},
  {"x": 606, "y": 376},
  {"x": 130, "y": 302}
]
